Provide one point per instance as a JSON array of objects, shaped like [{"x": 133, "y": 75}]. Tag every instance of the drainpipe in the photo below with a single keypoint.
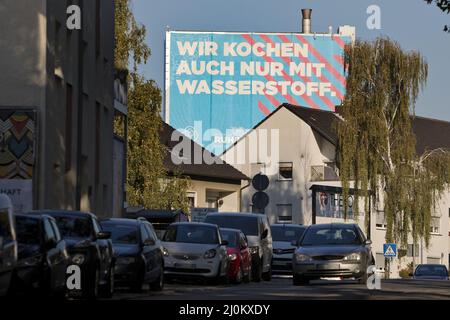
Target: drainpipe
[{"x": 80, "y": 111}]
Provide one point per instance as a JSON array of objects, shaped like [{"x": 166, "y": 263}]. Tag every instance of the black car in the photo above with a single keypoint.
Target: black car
[
  {"x": 139, "y": 256},
  {"x": 90, "y": 248},
  {"x": 8, "y": 244},
  {"x": 42, "y": 256}
]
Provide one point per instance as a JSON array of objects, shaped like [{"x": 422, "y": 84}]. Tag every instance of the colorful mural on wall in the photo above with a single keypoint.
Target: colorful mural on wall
[{"x": 17, "y": 133}]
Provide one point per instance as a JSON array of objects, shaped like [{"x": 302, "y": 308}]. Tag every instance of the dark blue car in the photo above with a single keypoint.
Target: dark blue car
[
  {"x": 431, "y": 272},
  {"x": 139, "y": 255}
]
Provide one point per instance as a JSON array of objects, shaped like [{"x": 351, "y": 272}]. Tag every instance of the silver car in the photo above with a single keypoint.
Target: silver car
[
  {"x": 195, "y": 250},
  {"x": 284, "y": 235},
  {"x": 332, "y": 250}
]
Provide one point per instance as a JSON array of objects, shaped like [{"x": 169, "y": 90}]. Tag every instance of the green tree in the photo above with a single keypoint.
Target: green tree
[
  {"x": 377, "y": 144},
  {"x": 148, "y": 183}
]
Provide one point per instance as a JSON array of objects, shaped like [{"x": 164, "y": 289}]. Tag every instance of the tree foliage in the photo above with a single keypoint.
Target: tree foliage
[
  {"x": 148, "y": 183},
  {"x": 444, "y": 6},
  {"x": 377, "y": 147}
]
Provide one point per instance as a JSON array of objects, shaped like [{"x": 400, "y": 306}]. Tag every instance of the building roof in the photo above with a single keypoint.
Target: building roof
[
  {"x": 219, "y": 170},
  {"x": 320, "y": 120},
  {"x": 430, "y": 134}
]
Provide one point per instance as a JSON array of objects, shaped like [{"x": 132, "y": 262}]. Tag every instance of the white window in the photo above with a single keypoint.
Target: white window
[
  {"x": 435, "y": 224},
  {"x": 285, "y": 171},
  {"x": 284, "y": 213},
  {"x": 192, "y": 198},
  {"x": 381, "y": 220}
]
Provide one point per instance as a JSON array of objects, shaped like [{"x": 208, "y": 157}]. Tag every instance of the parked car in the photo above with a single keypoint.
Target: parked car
[
  {"x": 8, "y": 244},
  {"x": 332, "y": 250},
  {"x": 257, "y": 230},
  {"x": 195, "y": 250},
  {"x": 431, "y": 272},
  {"x": 90, "y": 248},
  {"x": 42, "y": 256},
  {"x": 138, "y": 252},
  {"x": 285, "y": 238},
  {"x": 240, "y": 260}
]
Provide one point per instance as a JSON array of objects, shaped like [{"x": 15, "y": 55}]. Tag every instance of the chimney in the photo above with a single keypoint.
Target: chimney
[{"x": 306, "y": 21}]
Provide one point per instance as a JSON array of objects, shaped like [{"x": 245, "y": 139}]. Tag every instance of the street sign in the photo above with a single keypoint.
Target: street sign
[
  {"x": 390, "y": 250},
  {"x": 260, "y": 200},
  {"x": 260, "y": 182}
]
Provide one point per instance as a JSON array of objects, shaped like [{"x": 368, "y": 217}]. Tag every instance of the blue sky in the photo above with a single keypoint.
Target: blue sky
[{"x": 413, "y": 23}]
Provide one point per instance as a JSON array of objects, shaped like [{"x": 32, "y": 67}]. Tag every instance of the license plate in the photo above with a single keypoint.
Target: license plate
[
  {"x": 328, "y": 266},
  {"x": 185, "y": 265}
]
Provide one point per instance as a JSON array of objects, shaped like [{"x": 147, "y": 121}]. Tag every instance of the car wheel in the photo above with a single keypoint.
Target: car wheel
[
  {"x": 267, "y": 276},
  {"x": 298, "y": 280},
  {"x": 239, "y": 276},
  {"x": 136, "y": 287},
  {"x": 363, "y": 279},
  {"x": 93, "y": 286},
  {"x": 257, "y": 272},
  {"x": 248, "y": 276},
  {"x": 107, "y": 290},
  {"x": 158, "y": 285}
]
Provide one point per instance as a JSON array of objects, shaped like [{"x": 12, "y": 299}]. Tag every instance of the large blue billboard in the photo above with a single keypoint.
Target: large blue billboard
[{"x": 219, "y": 85}]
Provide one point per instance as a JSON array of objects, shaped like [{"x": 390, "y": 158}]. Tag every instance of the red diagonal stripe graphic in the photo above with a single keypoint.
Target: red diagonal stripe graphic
[
  {"x": 272, "y": 99},
  {"x": 263, "y": 108},
  {"x": 319, "y": 57},
  {"x": 305, "y": 79},
  {"x": 339, "y": 41}
]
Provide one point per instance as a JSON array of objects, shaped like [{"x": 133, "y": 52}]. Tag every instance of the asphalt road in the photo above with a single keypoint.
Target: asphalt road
[{"x": 281, "y": 288}]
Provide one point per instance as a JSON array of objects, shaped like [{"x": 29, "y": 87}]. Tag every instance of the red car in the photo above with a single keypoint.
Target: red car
[{"x": 240, "y": 263}]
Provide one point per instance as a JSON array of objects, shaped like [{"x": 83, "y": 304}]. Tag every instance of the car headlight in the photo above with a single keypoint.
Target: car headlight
[
  {"x": 78, "y": 259},
  {"x": 165, "y": 252},
  {"x": 353, "y": 257},
  {"x": 126, "y": 260},
  {"x": 302, "y": 257},
  {"x": 232, "y": 256},
  {"x": 254, "y": 250},
  {"x": 210, "y": 254}
]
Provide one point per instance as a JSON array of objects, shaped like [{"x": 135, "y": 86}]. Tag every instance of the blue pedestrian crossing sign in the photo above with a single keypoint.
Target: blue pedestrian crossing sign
[{"x": 390, "y": 250}]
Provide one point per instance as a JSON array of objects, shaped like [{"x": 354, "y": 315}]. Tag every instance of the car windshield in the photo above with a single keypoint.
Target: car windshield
[
  {"x": 5, "y": 227},
  {"x": 248, "y": 225},
  {"x": 191, "y": 234},
  {"x": 331, "y": 236},
  {"x": 74, "y": 227},
  {"x": 430, "y": 270},
  {"x": 121, "y": 234},
  {"x": 286, "y": 233},
  {"x": 231, "y": 237},
  {"x": 27, "y": 231}
]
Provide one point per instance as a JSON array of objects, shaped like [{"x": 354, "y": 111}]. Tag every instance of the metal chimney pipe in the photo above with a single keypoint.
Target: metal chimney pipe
[{"x": 306, "y": 21}]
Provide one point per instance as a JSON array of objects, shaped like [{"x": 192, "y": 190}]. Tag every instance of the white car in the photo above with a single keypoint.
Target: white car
[{"x": 195, "y": 250}]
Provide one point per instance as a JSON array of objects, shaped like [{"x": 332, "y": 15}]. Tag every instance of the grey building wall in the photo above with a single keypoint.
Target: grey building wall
[{"x": 40, "y": 59}]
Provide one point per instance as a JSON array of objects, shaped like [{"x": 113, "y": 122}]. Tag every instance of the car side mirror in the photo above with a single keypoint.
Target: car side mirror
[
  {"x": 294, "y": 243},
  {"x": 104, "y": 235},
  {"x": 224, "y": 243},
  {"x": 264, "y": 234},
  {"x": 149, "y": 242},
  {"x": 368, "y": 242},
  {"x": 50, "y": 243}
]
